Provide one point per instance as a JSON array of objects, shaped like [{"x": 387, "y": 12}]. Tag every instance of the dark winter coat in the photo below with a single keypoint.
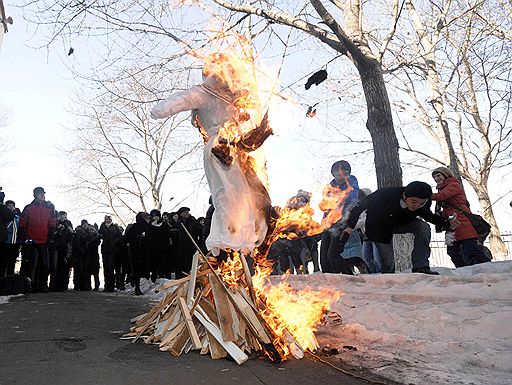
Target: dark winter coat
[
  {"x": 450, "y": 191},
  {"x": 63, "y": 234},
  {"x": 111, "y": 238},
  {"x": 6, "y": 218},
  {"x": 186, "y": 246},
  {"x": 383, "y": 212},
  {"x": 159, "y": 235},
  {"x": 85, "y": 248},
  {"x": 37, "y": 220},
  {"x": 138, "y": 248}
]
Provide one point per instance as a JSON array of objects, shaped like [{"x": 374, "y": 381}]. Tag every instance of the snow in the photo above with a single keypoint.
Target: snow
[
  {"x": 414, "y": 328},
  {"x": 422, "y": 329}
]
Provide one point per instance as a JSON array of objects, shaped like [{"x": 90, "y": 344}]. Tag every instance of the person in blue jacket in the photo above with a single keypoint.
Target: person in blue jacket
[{"x": 338, "y": 198}]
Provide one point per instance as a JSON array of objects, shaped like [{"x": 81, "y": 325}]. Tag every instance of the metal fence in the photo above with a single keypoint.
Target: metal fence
[{"x": 440, "y": 258}]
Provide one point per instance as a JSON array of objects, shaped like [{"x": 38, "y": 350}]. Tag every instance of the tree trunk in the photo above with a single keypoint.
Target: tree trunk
[
  {"x": 498, "y": 248},
  {"x": 380, "y": 125}
]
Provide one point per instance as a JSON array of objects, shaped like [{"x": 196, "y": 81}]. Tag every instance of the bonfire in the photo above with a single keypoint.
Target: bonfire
[{"x": 232, "y": 308}]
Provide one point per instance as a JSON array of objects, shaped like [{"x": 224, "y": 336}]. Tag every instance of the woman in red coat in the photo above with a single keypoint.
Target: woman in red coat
[{"x": 465, "y": 249}]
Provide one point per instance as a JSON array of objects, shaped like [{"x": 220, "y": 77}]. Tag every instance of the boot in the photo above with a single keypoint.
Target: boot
[{"x": 425, "y": 270}]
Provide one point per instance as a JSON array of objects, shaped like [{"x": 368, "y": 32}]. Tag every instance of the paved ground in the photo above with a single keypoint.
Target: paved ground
[{"x": 73, "y": 338}]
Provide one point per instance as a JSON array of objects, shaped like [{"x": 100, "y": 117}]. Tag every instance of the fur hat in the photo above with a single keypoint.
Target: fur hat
[{"x": 443, "y": 170}]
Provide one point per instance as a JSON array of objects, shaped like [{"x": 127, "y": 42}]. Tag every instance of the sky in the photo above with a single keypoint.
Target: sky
[
  {"x": 37, "y": 90},
  {"x": 414, "y": 328}
]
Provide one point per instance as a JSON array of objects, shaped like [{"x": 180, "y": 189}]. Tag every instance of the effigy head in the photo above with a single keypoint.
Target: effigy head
[{"x": 227, "y": 71}]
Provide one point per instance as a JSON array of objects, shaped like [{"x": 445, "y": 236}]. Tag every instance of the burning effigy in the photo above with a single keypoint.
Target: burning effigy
[{"x": 229, "y": 308}]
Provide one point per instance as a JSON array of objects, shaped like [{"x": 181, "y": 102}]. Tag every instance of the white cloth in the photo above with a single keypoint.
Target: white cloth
[{"x": 238, "y": 222}]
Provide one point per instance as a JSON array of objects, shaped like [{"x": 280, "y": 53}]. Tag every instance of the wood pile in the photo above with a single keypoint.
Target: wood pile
[{"x": 202, "y": 312}]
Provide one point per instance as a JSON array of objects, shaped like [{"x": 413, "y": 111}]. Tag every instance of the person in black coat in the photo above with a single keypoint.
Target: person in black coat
[
  {"x": 111, "y": 235},
  {"x": 186, "y": 246},
  {"x": 169, "y": 263},
  {"x": 395, "y": 210},
  {"x": 159, "y": 246},
  {"x": 63, "y": 237},
  {"x": 138, "y": 250}
]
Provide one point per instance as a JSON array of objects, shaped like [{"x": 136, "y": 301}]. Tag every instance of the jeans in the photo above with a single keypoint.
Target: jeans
[
  {"x": 371, "y": 257},
  {"x": 467, "y": 252},
  {"x": 420, "y": 253}
]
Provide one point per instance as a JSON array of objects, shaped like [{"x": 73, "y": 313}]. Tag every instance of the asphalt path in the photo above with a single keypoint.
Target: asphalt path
[{"x": 73, "y": 338}]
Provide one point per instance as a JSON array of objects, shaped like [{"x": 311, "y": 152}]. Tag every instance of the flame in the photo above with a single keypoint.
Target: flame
[
  {"x": 284, "y": 309},
  {"x": 297, "y": 311},
  {"x": 332, "y": 203},
  {"x": 297, "y": 222},
  {"x": 231, "y": 269}
]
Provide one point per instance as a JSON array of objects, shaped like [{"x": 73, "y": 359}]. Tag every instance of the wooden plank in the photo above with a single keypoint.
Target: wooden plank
[
  {"x": 258, "y": 331},
  {"x": 177, "y": 346},
  {"x": 196, "y": 342},
  {"x": 172, "y": 335},
  {"x": 181, "y": 281},
  {"x": 215, "y": 348},
  {"x": 295, "y": 349},
  {"x": 169, "y": 324},
  {"x": 251, "y": 318},
  {"x": 248, "y": 278},
  {"x": 193, "y": 277},
  {"x": 234, "y": 351},
  {"x": 204, "y": 341},
  {"x": 222, "y": 303}
]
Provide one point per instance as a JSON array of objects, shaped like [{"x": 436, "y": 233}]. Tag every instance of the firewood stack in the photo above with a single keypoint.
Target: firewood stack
[{"x": 202, "y": 312}]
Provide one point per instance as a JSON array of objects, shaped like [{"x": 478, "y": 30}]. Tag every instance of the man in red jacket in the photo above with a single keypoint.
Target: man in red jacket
[{"x": 37, "y": 222}]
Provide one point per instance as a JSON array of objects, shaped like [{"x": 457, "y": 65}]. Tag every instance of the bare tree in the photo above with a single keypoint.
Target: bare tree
[
  {"x": 464, "y": 56},
  {"x": 4, "y": 139},
  {"x": 123, "y": 161},
  {"x": 345, "y": 35}
]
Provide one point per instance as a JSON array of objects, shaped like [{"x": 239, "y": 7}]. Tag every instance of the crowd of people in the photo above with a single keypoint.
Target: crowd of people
[
  {"x": 357, "y": 237},
  {"x": 52, "y": 250}
]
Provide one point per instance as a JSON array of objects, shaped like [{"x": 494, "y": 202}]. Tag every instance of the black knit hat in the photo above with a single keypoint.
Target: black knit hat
[{"x": 418, "y": 189}]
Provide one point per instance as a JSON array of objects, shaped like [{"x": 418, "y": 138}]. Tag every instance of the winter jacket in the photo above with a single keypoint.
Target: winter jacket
[
  {"x": 12, "y": 230},
  {"x": 37, "y": 220},
  {"x": 136, "y": 236},
  {"x": 450, "y": 191},
  {"x": 336, "y": 203},
  {"x": 111, "y": 236},
  {"x": 383, "y": 212},
  {"x": 6, "y": 217}
]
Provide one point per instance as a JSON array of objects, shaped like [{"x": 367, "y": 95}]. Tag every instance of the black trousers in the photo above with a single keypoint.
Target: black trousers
[
  {"x": 35, "y": 265},
  {"x": 330, "y": 250}
]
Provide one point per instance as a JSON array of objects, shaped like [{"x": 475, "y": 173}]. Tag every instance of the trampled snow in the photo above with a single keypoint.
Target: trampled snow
[{"x": 454, "y": 328}]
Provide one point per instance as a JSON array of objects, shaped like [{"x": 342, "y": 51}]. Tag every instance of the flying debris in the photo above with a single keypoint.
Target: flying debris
[
  {"x": 311, "y": 112},
  {"x": 71, "y": 50},
  {"x": 317, "y": 78}
]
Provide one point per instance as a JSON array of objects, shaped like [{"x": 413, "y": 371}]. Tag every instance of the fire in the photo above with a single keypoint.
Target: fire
[
  {"x": 285, "y": 311},
  {"x": 297, "y": 311},
  {"x": 331, "y": 202},
  {"x": 231, "y": 270},
  {"x": 297, "y": 222}
]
